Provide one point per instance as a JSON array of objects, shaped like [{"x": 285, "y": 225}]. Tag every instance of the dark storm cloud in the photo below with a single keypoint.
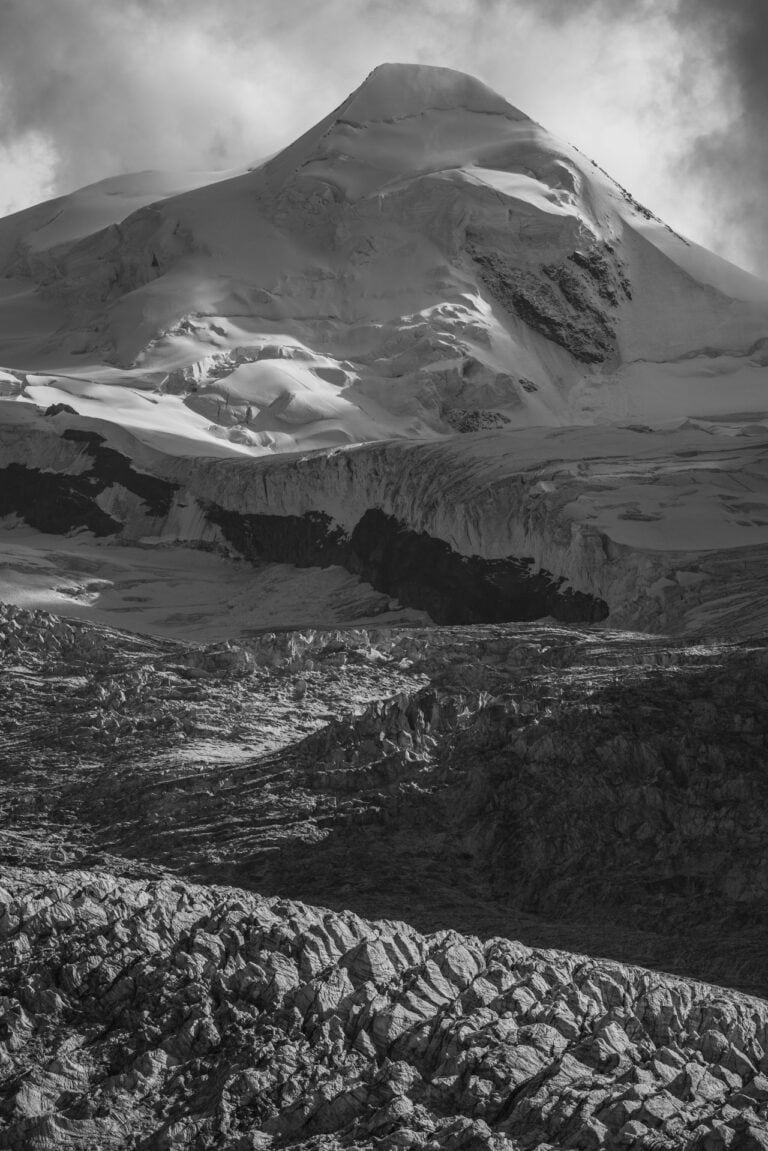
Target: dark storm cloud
[{"x": 733, "y": 160}]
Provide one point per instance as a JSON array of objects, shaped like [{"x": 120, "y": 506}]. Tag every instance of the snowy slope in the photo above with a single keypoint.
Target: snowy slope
[{"x": 424, "y": 263}]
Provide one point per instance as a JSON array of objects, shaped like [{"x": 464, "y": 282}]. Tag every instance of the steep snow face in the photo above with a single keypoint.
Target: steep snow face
[{"x": 94, "y": 207}]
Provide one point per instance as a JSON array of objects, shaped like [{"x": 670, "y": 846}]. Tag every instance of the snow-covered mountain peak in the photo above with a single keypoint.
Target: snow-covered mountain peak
[
  {"x": 393, "y": 90},
  {"x": 424, "y": 260},
  {"x": 403, "y": 120}
]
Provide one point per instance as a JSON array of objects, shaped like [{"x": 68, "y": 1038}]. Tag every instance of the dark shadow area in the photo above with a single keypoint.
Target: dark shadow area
[{"x": 420, "y": 570}]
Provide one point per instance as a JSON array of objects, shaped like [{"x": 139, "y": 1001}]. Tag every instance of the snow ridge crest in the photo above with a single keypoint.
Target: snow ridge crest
[{"x": 393, "y": 91}]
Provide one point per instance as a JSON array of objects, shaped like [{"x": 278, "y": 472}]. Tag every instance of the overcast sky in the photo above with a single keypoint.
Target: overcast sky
[{"x": 669, "y": 96}]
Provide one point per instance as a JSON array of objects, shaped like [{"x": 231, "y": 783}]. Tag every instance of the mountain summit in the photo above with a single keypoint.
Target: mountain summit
[
  {"x": 403, "y": 118},
  {"x": 392, "y": 91}
]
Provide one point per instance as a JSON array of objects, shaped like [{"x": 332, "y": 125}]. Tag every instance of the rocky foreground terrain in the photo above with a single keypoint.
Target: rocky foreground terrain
[{"x": 165, "y": 806}]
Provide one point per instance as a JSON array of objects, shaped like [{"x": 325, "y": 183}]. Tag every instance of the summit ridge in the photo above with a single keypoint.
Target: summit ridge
[{"x": 393, "y": 90}]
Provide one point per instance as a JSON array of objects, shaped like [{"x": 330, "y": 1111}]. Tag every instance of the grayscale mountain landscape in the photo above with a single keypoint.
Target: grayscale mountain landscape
[{"x": 383, "y": 653}]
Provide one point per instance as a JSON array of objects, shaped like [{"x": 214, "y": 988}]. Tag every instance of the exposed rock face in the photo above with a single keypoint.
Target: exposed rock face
[
  {"x": 166, "y": 1015},
  {"x": 561, "y": 304}
]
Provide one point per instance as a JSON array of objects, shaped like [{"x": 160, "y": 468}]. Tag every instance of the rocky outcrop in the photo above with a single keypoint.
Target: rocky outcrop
[
  {"x": 166, "y": 1015},
  {"x": 558, "y": 305}
]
